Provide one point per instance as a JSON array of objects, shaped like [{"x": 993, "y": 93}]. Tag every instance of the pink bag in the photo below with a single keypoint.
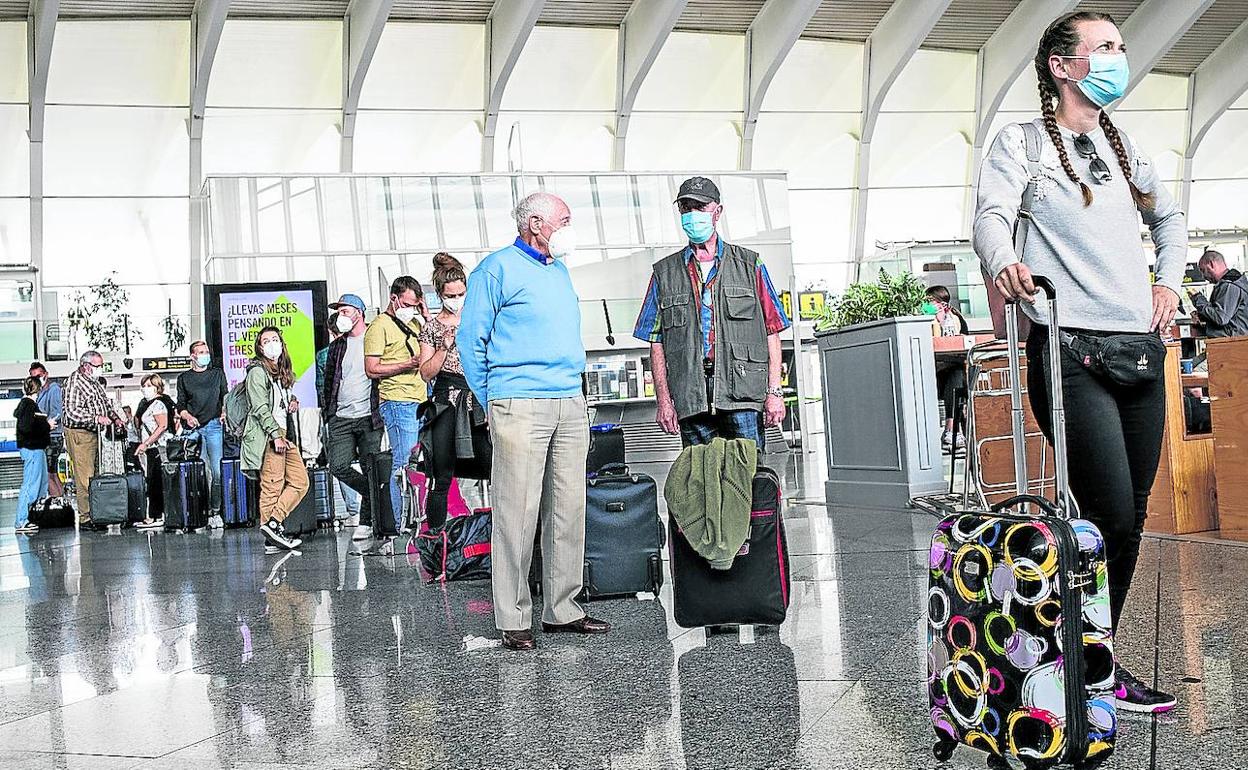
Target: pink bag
[{"x": 419, "y": 484}]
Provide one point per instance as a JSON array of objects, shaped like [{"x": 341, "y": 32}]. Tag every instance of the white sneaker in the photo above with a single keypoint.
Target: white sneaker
[
  {"x": 27, "y": 529},
  {"x": 157, "y": 524},
  {"x": 352, "y": 521},
  {"x": 362, "y": 532},
  {"x": 216, "y": 522}
]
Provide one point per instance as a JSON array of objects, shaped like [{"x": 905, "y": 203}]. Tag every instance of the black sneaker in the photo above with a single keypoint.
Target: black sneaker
[
  {"x": 275, "y": 533},
  {"x": 1134, "y": 695}
]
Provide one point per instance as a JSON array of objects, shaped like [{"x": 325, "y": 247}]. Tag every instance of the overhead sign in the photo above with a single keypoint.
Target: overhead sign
[{"x": 167, "y": 364}]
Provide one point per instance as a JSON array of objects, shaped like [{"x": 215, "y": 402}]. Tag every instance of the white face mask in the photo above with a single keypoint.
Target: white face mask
[
  {"x": 272, "y": 349},
  {"x": 405, "y": 314},
  {"x": 149, "y": 392},
  {"x": 453, "y": 304},
  {"x": 343, "y": 324},
  {"x": 562, "y": 244}
]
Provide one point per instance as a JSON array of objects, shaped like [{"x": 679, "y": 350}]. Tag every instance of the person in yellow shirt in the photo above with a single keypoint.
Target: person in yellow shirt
[{"x": 392, "y": 358}]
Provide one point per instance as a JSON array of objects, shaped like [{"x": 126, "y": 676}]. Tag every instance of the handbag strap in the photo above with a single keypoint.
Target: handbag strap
[{"x": 1031, "y": 143}]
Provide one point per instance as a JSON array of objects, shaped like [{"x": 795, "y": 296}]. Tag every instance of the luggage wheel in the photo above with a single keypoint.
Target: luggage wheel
[{"x": 943, "y": 750}]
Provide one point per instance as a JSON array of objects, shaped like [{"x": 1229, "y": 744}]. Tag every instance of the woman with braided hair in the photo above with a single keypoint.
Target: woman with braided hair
[{"x": 1092, "y": 189}]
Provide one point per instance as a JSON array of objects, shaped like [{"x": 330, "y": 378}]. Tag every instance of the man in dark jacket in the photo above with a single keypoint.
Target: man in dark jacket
[
  {"x": 350, "y": 406},
  {"x": 713, "y": 321},
  {"x": 1225, "y": 313}
]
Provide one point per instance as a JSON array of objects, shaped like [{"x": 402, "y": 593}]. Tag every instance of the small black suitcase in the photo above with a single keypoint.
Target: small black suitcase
[
  {"x": 240, "y": 496},
  {"x": 606, "y": 447},
  {"x": 377, "y": 469},
  {"x": 755, "y": 590},
  {"x": 623, "y": 534},
  {"x": 316, "y": 506},
  {"x": 186, "y": 495},
  {"x": 136, "y": 487},
  {"x": 114, "y": 496}
]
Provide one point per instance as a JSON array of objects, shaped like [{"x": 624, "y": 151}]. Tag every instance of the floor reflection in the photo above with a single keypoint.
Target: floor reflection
[{"x": 153, "y": 650}]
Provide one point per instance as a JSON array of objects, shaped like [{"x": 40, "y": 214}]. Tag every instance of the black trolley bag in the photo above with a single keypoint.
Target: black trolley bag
[
  {"x": 186, "y": 495},
  {"x": 316, "y": 508},
  {"x": 116, "y": 498},
  {"x": 1020, "y": 648},
  {"x": 755, "y": 590},
  {"x": 623, "y": 534}
]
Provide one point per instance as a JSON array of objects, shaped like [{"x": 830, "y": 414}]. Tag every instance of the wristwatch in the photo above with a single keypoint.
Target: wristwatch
[{"x": 777, "y": 392}]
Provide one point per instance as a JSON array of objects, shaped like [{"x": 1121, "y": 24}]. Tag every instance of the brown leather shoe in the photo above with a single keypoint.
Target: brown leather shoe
[
  {"x": 519, "y": 640},
  {"x": 585, "y": 625}
]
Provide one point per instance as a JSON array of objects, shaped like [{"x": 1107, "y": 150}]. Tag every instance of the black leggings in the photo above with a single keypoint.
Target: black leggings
[
  {"x": 155, "y": 486},
  {"x": 951, "y": 385},
  {"x": 1113, "y": 440},
  {"x": 440, "y": 461}
]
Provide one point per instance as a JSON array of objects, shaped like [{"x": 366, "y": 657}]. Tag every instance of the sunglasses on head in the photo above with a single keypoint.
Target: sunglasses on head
[{"x": 1099, "y": 168}]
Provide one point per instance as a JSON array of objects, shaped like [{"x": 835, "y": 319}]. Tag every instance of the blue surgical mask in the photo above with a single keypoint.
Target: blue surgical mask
[
  {"x": 203, "y": 359},
  {"x": 1107, "y": 78},
  {"x": 697, "y": 225}
]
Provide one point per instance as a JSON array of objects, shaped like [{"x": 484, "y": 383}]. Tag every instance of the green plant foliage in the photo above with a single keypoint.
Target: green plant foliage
[
  {"x": 101, "y": 316},
  {"x": 891, "y": 296}
]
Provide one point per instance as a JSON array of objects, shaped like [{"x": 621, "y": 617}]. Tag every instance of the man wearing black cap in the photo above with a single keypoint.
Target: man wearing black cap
[{"x": 713, "y": 321}]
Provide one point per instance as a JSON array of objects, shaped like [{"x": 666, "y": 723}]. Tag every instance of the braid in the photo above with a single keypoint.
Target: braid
[
  {"x": 1144, "y": 201},
  {"x": 1061, "y": 38},
  {"x": 1047, "y": 101}
]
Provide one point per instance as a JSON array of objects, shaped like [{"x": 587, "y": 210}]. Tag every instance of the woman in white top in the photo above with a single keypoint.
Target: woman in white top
[{"x": 153, "y": 418}]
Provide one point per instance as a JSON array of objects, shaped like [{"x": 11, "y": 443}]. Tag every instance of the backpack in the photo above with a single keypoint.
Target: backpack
[{"x": 236, "y": 408}]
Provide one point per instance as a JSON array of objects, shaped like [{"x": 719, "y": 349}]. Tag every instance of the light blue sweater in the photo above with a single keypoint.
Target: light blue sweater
[{"x": 520, "y": 333}]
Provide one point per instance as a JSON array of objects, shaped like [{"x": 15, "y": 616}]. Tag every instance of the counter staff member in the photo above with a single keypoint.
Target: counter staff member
[{"x": 1225, "y": 312}]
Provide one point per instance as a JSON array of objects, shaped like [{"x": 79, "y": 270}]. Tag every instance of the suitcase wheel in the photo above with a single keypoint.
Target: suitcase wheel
[
  {"x": 656, "y": 574},
  {"x": 943, "y": 750}
]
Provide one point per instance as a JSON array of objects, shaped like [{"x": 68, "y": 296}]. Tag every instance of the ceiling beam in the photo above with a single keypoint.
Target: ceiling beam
[
  {"x": 1153, "y": 29},
  {"x": 888, "y": 49},
  {"x": 41, "y": 30},
  {"x": 1007, "y": 53},
  {"x": 1217, "y": 83},
  {"x": 207, "y": 23},
  {"x": 507, "y": 29},
  {"x": 364, "y": 21},
  {"x": 643, "y": 32},
  {"x": 768, "y": 41}
]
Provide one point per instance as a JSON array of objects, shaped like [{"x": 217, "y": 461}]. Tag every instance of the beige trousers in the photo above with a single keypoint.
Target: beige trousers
[
  {"x": 538, "y": 471},
  {"x": 82, "y": 446},
  {"x": 283, "y": 483}
]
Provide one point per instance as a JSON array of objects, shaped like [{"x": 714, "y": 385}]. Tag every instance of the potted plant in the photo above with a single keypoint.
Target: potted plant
[{"x": 879, "y": 394}]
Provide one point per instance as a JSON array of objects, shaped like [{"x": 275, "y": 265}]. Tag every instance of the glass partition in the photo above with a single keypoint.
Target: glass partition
[{"x": 358, "y": 232}]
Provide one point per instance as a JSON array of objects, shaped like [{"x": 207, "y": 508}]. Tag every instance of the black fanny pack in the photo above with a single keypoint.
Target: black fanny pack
[{"x": 1126, "y": 359}]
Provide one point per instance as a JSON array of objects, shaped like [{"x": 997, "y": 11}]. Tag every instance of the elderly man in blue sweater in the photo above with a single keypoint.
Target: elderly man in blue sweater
[{"x": 520, "y": 345}]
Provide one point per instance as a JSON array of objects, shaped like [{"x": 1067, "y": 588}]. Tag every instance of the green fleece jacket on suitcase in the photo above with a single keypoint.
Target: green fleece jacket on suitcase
[{"x": 709, "y": 495}]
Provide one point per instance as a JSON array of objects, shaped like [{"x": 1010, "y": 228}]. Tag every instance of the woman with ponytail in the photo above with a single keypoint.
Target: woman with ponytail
[
  {"x": 1091, "y": 192},
  {"x": 451, "y": 409}
]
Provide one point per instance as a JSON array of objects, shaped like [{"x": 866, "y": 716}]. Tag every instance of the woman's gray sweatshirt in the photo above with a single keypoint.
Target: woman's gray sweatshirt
[{"x": 1093, "y": 254}]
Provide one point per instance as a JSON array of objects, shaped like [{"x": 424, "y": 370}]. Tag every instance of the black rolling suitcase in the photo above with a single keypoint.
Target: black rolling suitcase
[
  {"x": 186, "y": 495},
  {"x": 755, "y": 590},
  {"x": 606, "y": 447},
  {"x": 623, "y": 534},
  {"x": 240, "y": 495},
  {"x": 377, "y": 470},
  {"x": 116, "y": 498},
  {"x": 1006, "y": 675},
  {"x": 317, "y": 505}
]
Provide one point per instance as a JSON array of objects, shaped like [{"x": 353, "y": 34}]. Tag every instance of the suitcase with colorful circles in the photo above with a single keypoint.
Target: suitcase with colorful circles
[{"x": 1020, "y": 654}]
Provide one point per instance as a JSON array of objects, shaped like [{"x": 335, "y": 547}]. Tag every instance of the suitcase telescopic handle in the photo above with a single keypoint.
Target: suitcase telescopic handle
[
  {"x": 1043, "y": 502},
  {"x": 1065, "y": 504}
]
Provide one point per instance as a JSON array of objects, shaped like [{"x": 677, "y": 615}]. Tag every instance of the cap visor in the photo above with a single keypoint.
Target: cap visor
[{"x": 698, "y": 198}]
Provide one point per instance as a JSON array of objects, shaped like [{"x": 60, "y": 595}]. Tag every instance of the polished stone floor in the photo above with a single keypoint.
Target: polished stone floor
[{"x": 165, "y": 651}]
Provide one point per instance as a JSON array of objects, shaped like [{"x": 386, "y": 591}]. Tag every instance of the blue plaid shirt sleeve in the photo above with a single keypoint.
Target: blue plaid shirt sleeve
[{"x": 648, "y": 326}]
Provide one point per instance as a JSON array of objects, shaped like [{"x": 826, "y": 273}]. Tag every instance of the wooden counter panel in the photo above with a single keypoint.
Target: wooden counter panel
[
  {"x": 1228, "y": 386},
  {"x": 1184, "y": 496}
]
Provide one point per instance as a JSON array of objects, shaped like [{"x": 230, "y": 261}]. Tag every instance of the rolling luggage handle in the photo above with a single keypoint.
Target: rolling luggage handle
[{"x": 1063, "y": 504}]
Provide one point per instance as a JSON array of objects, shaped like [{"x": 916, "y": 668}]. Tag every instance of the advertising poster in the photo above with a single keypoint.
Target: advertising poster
[{"x": 243, "y": 313}]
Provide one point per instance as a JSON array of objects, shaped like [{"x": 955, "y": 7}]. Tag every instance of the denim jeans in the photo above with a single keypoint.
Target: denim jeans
[
  {"x": 34, "y": 482},
  {"x": 210, "y": 448},
  {"x": 403, "y": 428},
  {"x": 725, "y": 423}
]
